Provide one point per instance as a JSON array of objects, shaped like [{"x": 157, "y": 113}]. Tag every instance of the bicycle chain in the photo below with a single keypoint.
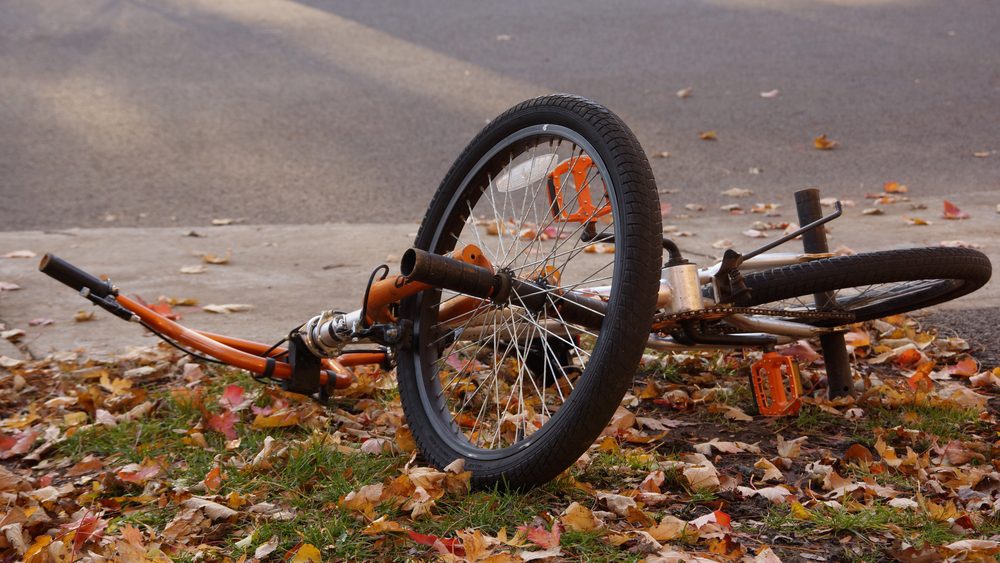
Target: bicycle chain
[{"x": 715, "y": 313}]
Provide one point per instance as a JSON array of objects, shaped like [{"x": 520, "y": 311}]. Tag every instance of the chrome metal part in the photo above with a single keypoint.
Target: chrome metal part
[
  {"x": 683, "y": 280},
  {"x": 776, "y": 326},
  {"x": 327, "y": 333}
]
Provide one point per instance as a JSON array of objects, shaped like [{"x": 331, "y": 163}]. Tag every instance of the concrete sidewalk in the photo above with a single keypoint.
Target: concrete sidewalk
[{"x": 289, "y": 273}]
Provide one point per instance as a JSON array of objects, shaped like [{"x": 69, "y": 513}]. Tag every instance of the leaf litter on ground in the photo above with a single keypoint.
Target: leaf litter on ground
[{"x": 149, "y": 456}]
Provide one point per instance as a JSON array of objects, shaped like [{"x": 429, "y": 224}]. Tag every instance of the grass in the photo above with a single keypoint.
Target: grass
[
  {"x": 312, "y": 480},
  {"x": 861, "y": 522}
]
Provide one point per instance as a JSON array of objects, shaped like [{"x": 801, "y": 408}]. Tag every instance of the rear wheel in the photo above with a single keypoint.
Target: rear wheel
[
  {"x": 874, "y": 284},
  {"x": 518, "y": 391}
]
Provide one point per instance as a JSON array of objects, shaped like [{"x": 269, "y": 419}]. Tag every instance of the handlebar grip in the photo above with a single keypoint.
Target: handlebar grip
[
  {"x": 63, "y": 271},
  {"x": 448, "y": 273}
]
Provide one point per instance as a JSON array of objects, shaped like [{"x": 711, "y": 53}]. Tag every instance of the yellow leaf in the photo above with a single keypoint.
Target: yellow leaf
[
  {"x": 36, "y": 548},
  {"x": 74, "y": 418},
  {"x": 800, "y": 512},
  {"x": 278, "y": 419},
  {"x": 669, "y": 529},
  {"x": 579, "y": 518},
  {"x": 308, "y": 553},
  {"x": 708, "y": 136}
]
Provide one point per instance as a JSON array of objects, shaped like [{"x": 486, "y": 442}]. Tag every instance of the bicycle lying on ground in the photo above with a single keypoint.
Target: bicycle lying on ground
[{"x": 536, "y": 281}]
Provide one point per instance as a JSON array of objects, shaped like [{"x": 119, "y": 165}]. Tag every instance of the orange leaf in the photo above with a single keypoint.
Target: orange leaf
[
  {"x": 894, "y": 188},
  {"x": 951, "y": 211},
  {"x": 213, "y": 480},
  {"x": 965, "y": 368},
  {"x": 824, "y": 144},
  {"x": 859, "y": 452},
  {"x": 907, "y": 357},
  {"x": 722, "y": 519},
  {"x": 920, "y": 378}
]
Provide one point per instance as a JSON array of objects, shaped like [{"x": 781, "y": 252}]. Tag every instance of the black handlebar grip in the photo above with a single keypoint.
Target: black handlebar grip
[
  {"x": 448, "y": 273},
  {"x": 63, "y": 271}
]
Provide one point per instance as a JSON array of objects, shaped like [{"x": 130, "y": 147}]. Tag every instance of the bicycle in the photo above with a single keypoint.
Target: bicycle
[{"x": 535, "y": 282}]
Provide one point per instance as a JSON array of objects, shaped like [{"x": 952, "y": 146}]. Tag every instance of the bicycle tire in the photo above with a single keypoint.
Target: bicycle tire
[
  {"x": 533, "y": 460},
  {"x": 935, "y": 275}
]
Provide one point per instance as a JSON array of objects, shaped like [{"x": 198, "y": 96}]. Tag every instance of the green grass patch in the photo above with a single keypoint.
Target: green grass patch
[{"x": 861, "y": 522}]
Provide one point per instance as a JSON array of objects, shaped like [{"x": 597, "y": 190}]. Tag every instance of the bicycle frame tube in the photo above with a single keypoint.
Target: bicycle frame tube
[{"x": 241, "y": 353}]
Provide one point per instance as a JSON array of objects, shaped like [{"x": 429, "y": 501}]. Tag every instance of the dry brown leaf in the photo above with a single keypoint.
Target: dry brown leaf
[
  {"x": 771, "y": 473},
  {"x": 228, "y": 308}
]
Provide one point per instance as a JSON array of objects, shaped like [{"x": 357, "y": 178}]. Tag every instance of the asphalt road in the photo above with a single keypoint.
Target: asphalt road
[{"x": 174, "y": 112}]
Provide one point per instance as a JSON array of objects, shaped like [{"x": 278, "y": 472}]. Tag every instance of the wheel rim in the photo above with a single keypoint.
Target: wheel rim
[{"x": 475, "y": 385}]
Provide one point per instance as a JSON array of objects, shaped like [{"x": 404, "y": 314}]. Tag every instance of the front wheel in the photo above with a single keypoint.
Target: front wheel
[
  {"x": 874, "y": 284},
  {"x": 518, "y": 390}
]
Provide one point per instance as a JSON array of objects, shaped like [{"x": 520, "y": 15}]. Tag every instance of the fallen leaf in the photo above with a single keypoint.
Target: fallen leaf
[
  {"x": 769, "y": 94},
  {"x": 824, "y": 144},
  {"x": 215, "y": 259},
  {"x": 267, "y": 548},
  {"x": 20, "y": 254},
  {"x": 966, "y": 367},
  {"x": 858, "y": 452},
  {"x": 668, "y": 529},
  {"x": 738, "y": 192},
  {"x": 14, "y": 334},
  {"x": 7, "y": 286},
  {"x": 685, "y": 93},
  {"x": 708, "y": 136},
  {"x": 139, "y": 474},
  {"x": 224, "y": 423},
  {"x": 894, "y": 188},
  {"x": 771, "y": 473},
  {"x": 227, "y": 308},
  {"x": 83, "y": 316},
  {"x": 199, "y": 269},
  {"x": 213, "y": 480},
  {"x": 951, "y": 211},
  {"x": 916, "y": 221},
  {"x": 790, "y": 449},
  {"x": 449, "y": 544},
  {"x": 307, "y": 553},
  {"x": 579, "y": 518},
  {"x": 959, "y": 244},
  {"x": 872, "y": 211}
]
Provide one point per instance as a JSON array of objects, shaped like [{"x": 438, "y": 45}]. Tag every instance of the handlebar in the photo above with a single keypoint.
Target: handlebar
[
  {"x": 61, "y": 270},
  {"x": 447, "y": 273}
]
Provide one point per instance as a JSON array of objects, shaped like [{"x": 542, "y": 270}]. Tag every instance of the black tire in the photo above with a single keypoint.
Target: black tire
[
  {"x": 892, "y": 281},
  {"x": 535, "y": 457}
]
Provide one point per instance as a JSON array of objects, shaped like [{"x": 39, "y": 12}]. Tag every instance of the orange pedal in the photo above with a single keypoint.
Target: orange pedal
[{"x": 776, "y": 385}]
